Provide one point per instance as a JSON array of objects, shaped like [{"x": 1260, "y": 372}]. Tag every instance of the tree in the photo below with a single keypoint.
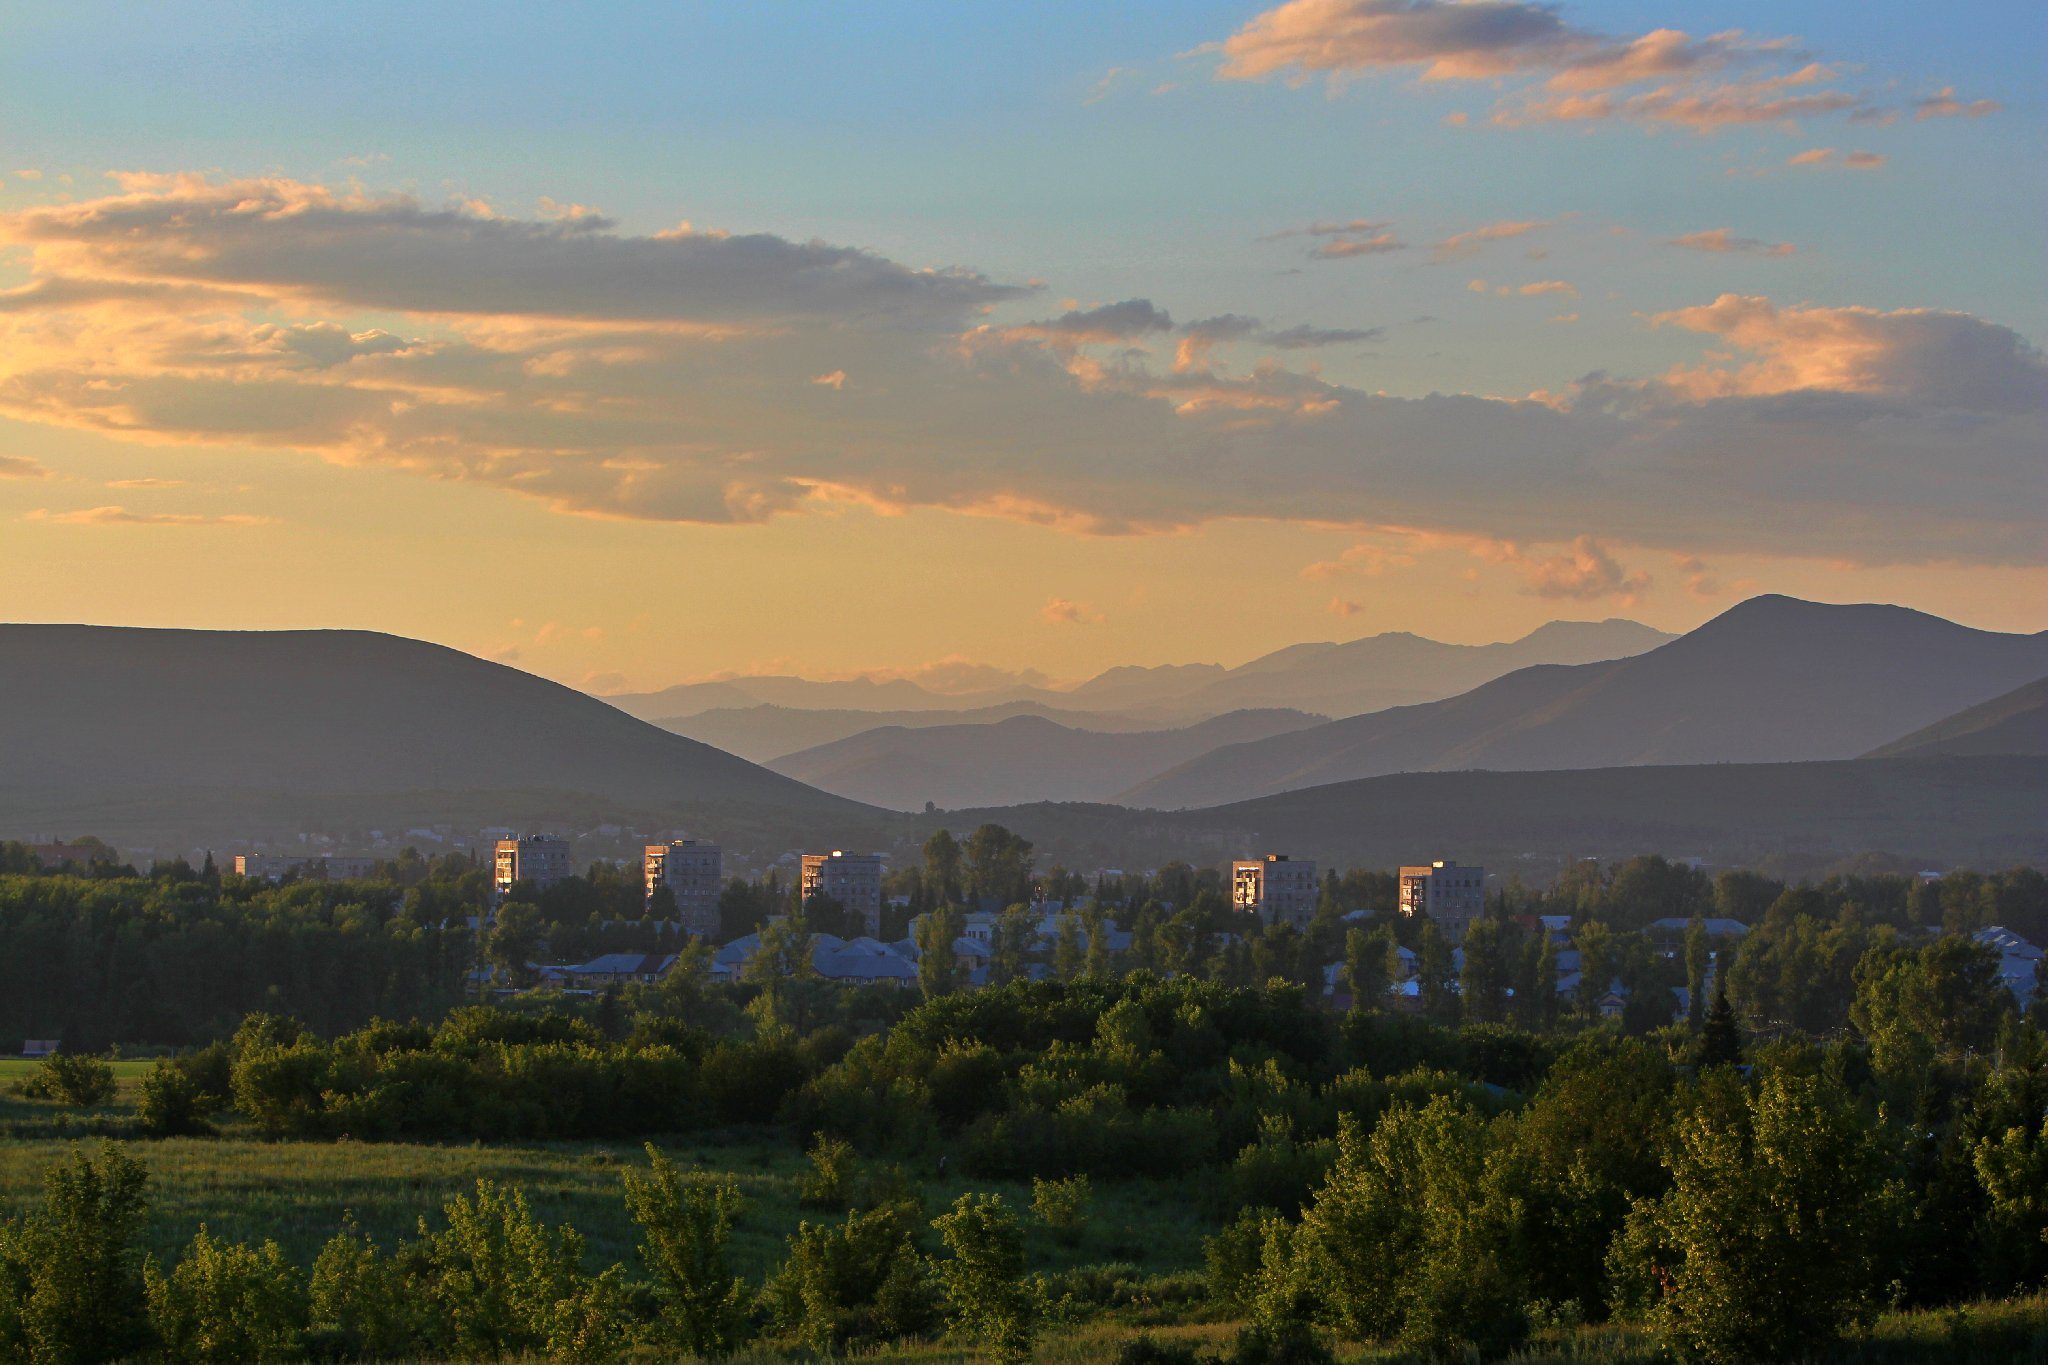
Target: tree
[
  {"x": 1775, "y": 1217},
  {"x": 168, "y": 1102},
  {"x": 78, "y": 1079},
  {"x": 1370, "y": 966},
  {"x": 69, "y": 1287},
  {"x": 998, "y": 865},
  {"x": 780, "y": 967},
  {"x": 1096, "y": 919},
  {"x": 1940, "y": 1001},
  {"x": 1009, "y": 957},
  {"x": 1489, "y": 955},
  {"x": 1067, "y": 959},
  {"x": 983, "y": 1276},
  {"x": 853, "y": 1283},
  {"x": 685, "y": 1226},
  {"x": 1720, "y": 1036},
  {"x": 942, "y": 864},
  {"x": 1697, "y": 956},
  {"x": 226, "y": 1302},
  {"x": 1436, "y": 976},
  {"x": 1062, "y": 1205},
  {"x": 360, "y": 1305},
  {"x": 938, "y": 966},
  {"x": 515, "y": 937}
]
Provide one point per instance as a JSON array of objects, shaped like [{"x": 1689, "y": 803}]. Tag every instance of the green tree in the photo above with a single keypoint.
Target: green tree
[
  {"x": 1370, "y": 966},
  {"x": 78, "y": 1079},
  {"x": 69, "y": 1284},
  {"x": 1720, "y": 1035},
  {"x": 224, "y": 1303},
  {"x": 942, "y": 868},
  {"x": 359, "y": 1303},
  {"x": 1096, "y": 920},
  {"x": 938, "y": 966},
  {"x": 169, "y": 1103},
  {"x": 853, "y": 1283},
  {"x": 1775, "y": 1218},
  {"x": 998, "y": 865},
  {"x": 1436, "y": 976},
  {"x": 1009, "y": 957},
  {"x": 983, "y": 1276},
  {"x": 1062, "y": 1205},
  {"x": 685, "y": 1226},
  {"x": 515, "y": 938},
  {"x": 1067, "y": 957},
  {"x": 1915, "y": 1005},
  {"x": 1489, "y": 971},
  {"x": 1698, "y": 953}
]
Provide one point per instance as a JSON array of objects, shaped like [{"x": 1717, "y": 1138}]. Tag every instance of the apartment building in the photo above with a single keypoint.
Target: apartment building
[
  {"x": 542, "y": 859},
  {"x": 1445, "y": 893},
  {"x": 272, "y": 867},
  {"x": 1276, "y": 888},
  {"x": 694, "y": 873},
  {"x": 852, "y": 879}
]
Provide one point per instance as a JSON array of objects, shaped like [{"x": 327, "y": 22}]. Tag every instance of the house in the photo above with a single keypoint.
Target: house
[
  {"x": 1667, "y": 935},
  {"x": 866, "y": 962},
  {"x": 40, "y": 1047},
  {"x": 2019, "y": 961},
  {"x": 615, "y": 969}
]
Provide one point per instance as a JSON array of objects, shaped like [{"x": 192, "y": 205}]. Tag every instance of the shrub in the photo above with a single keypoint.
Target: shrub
[
  {"x": 829, "y": 1182},
  {"x": 982, "y": 1278},
  {"x": 359, "y": 1306},
  {"x": 853, "y": 1283},
  {"x": 684, "y": 1228},
  {"x": 225, "y": 1302},
  {"x": 1062, "y": 1205},
  {"x": 169, "y": 1103},
  {"x": 78, "y": 1079},
  {"x": 69, "y": 1289}
]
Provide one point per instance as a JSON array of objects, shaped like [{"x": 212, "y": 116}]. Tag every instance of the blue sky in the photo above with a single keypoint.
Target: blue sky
[{"x": 1093, "y": 155}]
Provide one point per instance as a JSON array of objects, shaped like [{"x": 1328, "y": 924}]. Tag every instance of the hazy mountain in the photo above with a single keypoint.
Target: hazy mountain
[
  {"x": 1773, "y": 679},
  {"x": 1337, "y": 679},
  {"x": 1022, "y": 759},
  {"x": 99, "y": 718},
  {"x": 1397, "y": 668},
  {"x": 2016, "y": 723},
  {"x": 765, "y": 732}
]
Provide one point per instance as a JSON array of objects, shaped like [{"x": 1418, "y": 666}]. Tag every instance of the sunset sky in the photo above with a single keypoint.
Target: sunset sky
[{"x": 633, "y": 344}]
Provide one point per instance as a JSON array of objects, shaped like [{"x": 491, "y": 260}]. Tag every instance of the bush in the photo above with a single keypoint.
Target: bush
[
  {"x": 829, "y": 1182},
  {"x": 853, "y": 1283},
  {"x": 224, "y": 1302},
  {"x": 78, "y": 1079},
  {"x": 1062, "y": 1205},
  {"x": 69, "y": 1289},
  {"x": 982, "y": 1278},
  {"x": 684, "y": 1228},
  {"x": 168, "y": 1102},
  {"x": 359, "y": 1306}
]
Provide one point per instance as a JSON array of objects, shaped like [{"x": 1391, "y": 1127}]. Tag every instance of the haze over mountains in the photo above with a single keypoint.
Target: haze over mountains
[
  {"x": 1770, "y": 680},
  {"x": 2016, "y": 723},
  {"x": 1010, "y": 762},
  {"x": 1332, "y": 679}
]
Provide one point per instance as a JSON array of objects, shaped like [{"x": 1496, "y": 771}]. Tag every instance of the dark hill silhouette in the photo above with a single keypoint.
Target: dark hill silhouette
[
  {"x": 1021, "y": 759},
  {"x": 1773, "y": 679},
  {"x": 101, "y": 713},
  {"x": 765, "y": 732},
  {"x": 2016, "y": 723}
]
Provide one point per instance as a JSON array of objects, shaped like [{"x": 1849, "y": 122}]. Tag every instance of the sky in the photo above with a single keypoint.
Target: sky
[{"x": 634, "y": 344}]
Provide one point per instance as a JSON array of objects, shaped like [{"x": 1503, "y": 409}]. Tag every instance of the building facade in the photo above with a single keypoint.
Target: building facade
[
  {"x": 329, "y": 866},
  {"x": 694, "y": 873},
  {"x": 1276, "y": 888},
  {"x": 1450, "y": 895},
  {"x": 852, "y": 879},
  {"x": 541, "y": 859}
]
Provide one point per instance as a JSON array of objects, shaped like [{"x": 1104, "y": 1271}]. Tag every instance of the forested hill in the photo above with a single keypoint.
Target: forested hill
[{"x": 99, "y": 716}]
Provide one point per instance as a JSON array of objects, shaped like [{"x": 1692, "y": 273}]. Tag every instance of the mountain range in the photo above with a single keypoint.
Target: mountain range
[
  {"x": 1770, "y": 680},
  {"x": 2016, "y": 723},
  {"x": 1009, "y": 762},
  {"x": 1335, "y": 679}
]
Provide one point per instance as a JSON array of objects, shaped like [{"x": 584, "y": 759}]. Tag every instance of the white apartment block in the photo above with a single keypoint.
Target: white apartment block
[
  {"x": 1450, "y": 895},
  {"x": 852, "y": 879},
  {"x": 542, "y": 859}
]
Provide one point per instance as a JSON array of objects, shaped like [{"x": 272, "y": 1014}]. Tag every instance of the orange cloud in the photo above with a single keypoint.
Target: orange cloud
[
  {"x": 1064, "y": 611},
  {"x": 1944, "y": 104},
  {"x": 121, "y": 516},
  {"x": 1724, "y": 241},
  {"x": 1462, "y": 244}
]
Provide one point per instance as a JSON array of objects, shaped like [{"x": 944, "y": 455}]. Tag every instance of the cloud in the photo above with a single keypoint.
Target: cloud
[
  {"x": 1327, "y": 228},
  {"x": 121, "y": 516},
  {"x": 603, "y": 684},
  {"x": 1369, "y": 559},
  {"x": 1816, "y": 158},
  {"x": 1446, "y": 39},
  {"x": 1343, "y": 248},
  {"x": 1704, "y": 108},
  {"x": 1724, "y": 241},
  {"x": 1302, "y": 336},
  {"x": 674, "y": 388},
  {"x": 1944, "y": 104},
  {"x": 1344, "y": 606},
  {"x": 1100, "y": 91},
  {"x": 21, "y": 467},
  {"x": 1530, "y": 290},
  {"x": 832, "y": 379},
  {"x": 1063, "y": 611},
  {"x": 145, "y": 483},
  {"x": 1917, "y": 355},
  {"x": 1585, "y": 572},
  {"x": 1460, "y": 245}
]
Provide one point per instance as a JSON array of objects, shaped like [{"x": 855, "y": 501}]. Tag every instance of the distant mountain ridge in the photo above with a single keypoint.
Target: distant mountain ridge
[
  {"x": 764, "y": 731},
  {"x": 1335, "y": 679},
  {"x": 1772, "y": 679},
  {"x": 1023, "y": 758},
  {"x": 2016, "y": 723},
  {"x": 109, "y": 715}
]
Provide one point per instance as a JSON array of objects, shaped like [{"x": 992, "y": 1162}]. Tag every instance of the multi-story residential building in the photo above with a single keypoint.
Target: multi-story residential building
[
  {"x": 542, "y": 859},
  {"x": 1450, "y": 895},
  {"x": 1276, "y": 888},
  {"x": 852, "y": 879},
  {"x": 328, "y": 866},
  {"x": 694, "y": 873}
]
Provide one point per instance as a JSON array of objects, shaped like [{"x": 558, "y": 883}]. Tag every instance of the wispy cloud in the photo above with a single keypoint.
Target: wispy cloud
[
  {"x": 121, "y": 516},
  {"x": 1064, "y": 611},
  {"x": 1460, "y": 245},
  {"x": 1944, "y": 104},
  {"x": 1723, "y": 241}
]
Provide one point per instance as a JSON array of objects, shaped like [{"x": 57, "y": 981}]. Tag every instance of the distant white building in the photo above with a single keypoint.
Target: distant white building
[
  {"x": 854, "y": 880},
  {"x": 1445, "y": 893},
  {"x": 694, "y": 873},
  {"x": 542, "y": 859},
  {"x": 2018, "y": 960},
  {"x": 1276, "y": 888}
]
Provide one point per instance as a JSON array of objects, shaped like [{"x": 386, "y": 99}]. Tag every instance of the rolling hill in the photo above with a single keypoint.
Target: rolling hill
[
  {"x": 1772, "y": 679},
  {"x": 1021, "y": 759},
  {"x": 2016, "y": 723},
  {"x": 765, "y": 732},
  {"x": 111, "y": 719}
]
